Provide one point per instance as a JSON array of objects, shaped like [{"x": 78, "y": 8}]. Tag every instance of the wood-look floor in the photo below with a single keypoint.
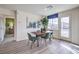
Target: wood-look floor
[{"x": 53, "y": 47}]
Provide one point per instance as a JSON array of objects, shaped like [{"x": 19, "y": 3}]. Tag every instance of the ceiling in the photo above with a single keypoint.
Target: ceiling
[{"x": 40, "y": 9}]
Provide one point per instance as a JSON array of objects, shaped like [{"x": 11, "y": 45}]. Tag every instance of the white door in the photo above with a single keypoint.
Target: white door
[{"x": 2, "y": 28}]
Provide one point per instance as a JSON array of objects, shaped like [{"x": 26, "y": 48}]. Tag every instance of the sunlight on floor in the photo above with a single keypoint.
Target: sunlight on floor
[{"x": 70, "y": 49}]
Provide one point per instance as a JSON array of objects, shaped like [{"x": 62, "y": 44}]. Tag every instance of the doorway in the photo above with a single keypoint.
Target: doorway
[{"x": 9, "y": 29}]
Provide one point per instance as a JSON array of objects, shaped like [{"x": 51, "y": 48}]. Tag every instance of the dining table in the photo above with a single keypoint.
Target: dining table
[{"x": 39, "y": 34}]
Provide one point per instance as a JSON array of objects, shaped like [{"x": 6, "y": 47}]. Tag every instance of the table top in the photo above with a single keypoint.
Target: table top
[{"x": 38, "y": 33}]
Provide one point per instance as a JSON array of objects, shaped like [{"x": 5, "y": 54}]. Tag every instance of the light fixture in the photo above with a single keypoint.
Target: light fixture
[{"x": 49, "y": 7}]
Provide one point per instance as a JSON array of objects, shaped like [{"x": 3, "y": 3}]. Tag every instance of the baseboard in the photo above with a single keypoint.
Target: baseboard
[
  {"x": 55, "y": 38},
  {"x": 69, "y": 41}
]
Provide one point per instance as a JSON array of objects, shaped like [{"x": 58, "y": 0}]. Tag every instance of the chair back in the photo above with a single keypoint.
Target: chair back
[
  {"x": 47, "y": 35},
  {"x": 29, "y": 36}
]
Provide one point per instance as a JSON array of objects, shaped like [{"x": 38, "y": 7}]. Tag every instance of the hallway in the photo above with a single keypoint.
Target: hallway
[{"x": 8, "y": 39}]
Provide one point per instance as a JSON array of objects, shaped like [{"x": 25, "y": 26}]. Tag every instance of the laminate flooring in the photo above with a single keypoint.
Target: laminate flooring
[{"x": 53, "y": 47}]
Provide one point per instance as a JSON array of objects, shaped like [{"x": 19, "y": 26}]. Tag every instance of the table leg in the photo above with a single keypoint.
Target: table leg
[{"x": 38, "y": 43}]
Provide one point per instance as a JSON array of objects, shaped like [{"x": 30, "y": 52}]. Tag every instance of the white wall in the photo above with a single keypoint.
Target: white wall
[
  {"x": 21, "y": 30},
  {"x": 74, "y": 22}
]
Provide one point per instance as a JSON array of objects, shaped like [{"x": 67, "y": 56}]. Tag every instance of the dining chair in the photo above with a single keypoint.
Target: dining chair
[
  {"x": 46, "y": 36},
  {"x": 32, "y": 39},
  {"x": 50, "y": 35}
]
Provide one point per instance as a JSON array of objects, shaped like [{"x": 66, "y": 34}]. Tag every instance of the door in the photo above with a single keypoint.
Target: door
[{"x": 2, "y": 28}]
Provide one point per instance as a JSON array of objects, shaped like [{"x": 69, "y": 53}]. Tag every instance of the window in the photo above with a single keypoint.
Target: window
[
  {"x": 53, "y": 24},
  {"x": 65, "y": 27}
]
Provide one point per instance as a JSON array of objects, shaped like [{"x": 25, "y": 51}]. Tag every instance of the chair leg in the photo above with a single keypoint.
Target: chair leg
[
  {"x": 41, "y": 40},
  {"x": 28, "y": 42},
  {"x": 32, "y": 44},
  {"x": 37, "y": 43},
  {"x": 50, "y": 39},
  {"x": 45, "y": 42}
]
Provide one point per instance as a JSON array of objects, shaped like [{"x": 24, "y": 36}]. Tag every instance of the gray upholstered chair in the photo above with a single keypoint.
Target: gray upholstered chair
[
  {"x": 46, "y": 36},
  {"x": 32, "y": 39}
]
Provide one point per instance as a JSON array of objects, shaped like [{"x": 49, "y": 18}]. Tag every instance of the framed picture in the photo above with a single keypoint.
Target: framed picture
[{"x": 38, "y": 24}]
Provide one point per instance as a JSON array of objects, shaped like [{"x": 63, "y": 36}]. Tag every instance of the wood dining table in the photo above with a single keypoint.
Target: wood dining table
[{"x": 39, "y": 34}]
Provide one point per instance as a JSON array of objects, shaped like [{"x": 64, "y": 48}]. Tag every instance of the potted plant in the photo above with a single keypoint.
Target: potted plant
[{"x": 44, "y": 22}]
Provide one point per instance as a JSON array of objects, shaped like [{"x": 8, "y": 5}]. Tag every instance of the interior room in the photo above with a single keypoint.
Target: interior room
[{"x": 39, "y": 29}]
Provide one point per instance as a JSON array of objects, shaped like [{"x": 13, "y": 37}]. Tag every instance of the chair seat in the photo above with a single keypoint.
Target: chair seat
[
  {"x": 46, "y": 35},
  {"x": 33, "y": 38}
]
